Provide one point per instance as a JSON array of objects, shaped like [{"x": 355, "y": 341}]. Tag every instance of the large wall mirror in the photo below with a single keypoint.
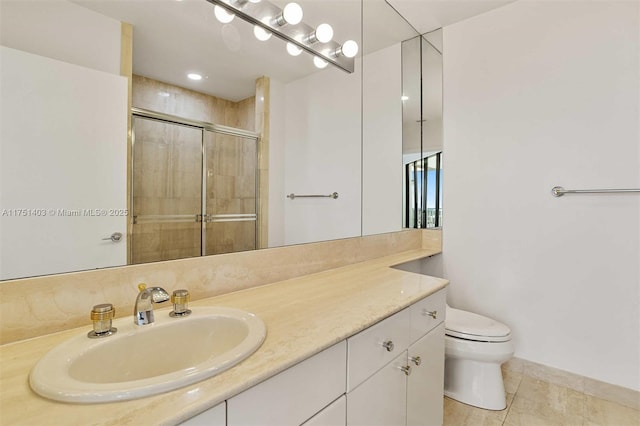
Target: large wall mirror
[
  {"x": 200, "y": 176},
  {"x": 422, "y": 145}
]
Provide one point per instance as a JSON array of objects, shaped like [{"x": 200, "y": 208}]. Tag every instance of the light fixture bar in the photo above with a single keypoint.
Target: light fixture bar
[{"x": 255, "y": 13}]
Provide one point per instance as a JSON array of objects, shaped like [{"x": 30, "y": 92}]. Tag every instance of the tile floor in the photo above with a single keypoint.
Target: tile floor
[{"x": 533, "y": 402}]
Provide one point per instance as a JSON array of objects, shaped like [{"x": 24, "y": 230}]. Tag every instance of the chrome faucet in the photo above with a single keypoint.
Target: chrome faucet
[{"x": 143, "y": 310}]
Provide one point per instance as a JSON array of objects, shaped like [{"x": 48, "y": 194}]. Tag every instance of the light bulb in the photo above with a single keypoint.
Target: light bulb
[
  {"x": 222, "y": 15},
  {"x": 324, "y": 33},
  {"x": 293, "y": 50},
  {"x": 261, "y": 34},
  {"x": 255, "y": 1},
  {"x": 194, "y": 76},
  {"x": 404, "y": 98},
  {"x": 319, "y": 62},
  {"x": 292, "y": 13},
  {"x": 349, "y": 48}
]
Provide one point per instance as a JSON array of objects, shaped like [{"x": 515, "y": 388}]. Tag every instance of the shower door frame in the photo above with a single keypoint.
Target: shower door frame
[{"x": 203, "y": 126}]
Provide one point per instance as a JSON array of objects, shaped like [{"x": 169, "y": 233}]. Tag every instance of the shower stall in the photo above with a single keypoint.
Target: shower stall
[{"x": 194, "y": 188}]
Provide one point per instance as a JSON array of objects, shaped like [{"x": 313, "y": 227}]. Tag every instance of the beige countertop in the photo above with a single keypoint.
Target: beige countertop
[{"x": 303, "y": 316}]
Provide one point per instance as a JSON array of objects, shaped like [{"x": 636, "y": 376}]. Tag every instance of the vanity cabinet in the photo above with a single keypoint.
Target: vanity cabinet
[
  {"x": 426, "y": 382},
  {"x": 391, "y": 373},
  {"x": 333, "y": 415},
  {"x": 407, "y": 390},
  {"x": 382, "y": 398},
  {"x": 295, "y": 395}
]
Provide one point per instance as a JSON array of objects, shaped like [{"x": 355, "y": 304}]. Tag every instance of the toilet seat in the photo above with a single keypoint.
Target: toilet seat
[{"x": 470, "y": 326}]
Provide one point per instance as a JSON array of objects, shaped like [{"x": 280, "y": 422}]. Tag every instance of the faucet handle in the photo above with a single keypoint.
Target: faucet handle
[
  {"x": 180, "y": 300},
  {"x": 102, "y": 316}
]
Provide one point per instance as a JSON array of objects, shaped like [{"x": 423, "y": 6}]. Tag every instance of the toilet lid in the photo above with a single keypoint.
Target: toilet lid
[{"x": 470, "y": 326}]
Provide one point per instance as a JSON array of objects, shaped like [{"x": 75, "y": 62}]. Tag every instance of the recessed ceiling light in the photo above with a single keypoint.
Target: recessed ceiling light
[{"x": 194, "y": 76}]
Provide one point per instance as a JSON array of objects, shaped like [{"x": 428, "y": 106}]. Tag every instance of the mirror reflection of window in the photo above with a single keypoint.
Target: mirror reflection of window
[
  {"x": 422, "y": 130},
  {"x": 423, "y": 207}
]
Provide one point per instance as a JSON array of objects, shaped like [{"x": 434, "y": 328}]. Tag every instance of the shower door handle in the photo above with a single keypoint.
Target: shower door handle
[{"x": 115, "y": 237}]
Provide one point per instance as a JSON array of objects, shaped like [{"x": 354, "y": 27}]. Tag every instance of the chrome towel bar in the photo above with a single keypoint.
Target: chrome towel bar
[
  {"x": 559, "y": 191},
  {"x": 293, "y": 196}
]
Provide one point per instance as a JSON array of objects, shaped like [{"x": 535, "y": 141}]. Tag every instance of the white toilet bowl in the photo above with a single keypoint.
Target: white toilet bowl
[{"x": 475, "y": 348}]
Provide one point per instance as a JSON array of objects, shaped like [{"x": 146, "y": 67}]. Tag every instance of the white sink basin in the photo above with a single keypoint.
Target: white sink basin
[{"x": 145, "y": 360}]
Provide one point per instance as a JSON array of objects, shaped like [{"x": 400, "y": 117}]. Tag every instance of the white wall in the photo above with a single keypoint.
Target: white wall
[
  {"x": 61, "y": 30},
  {"x": 63, "y": 173},
  {"x": 382, "y": 141},
  {"x": 332, "y": 143},
  {"x": 62, "y": 100},
  {"x": 539, "y": 94},
  {"x": 276, "y": 163},
  {"x": 322, "y": 155}
]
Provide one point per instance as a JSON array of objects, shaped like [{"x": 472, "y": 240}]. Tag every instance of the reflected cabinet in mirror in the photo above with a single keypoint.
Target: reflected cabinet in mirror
[
  {"x": 422, "y": 156},
  {"x": 135, "y": 132}
]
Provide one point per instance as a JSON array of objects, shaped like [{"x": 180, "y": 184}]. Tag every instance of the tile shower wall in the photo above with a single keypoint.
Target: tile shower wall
[
  {"x": 231, "y": 189},
  {"x": 171, "y": 182},
  {"x": 166, "y": 98}
]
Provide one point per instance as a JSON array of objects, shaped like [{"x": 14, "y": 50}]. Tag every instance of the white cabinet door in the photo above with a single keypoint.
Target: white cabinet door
[
  {"x": 216, "y": 416},
  {"x": 333, "y": 415},
  {"x": 381, "y": 399},
  {"x": 295, "y": 395},
  {"x": 426, "y": 383}
]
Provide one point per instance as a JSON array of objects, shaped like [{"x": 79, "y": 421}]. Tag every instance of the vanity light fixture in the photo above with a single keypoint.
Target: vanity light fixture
[
  {"x": 293, "y": 50},
  {"x": 322, "y": 34},
  {"x": 288, "y": 26},
  {"x": 223, "y": 15},
  {"x": 319, "y": 62},
  {"x": 349, "y": 49},
  {"x": 260, "y": 33},
  {"x": 291, "y": 14}
]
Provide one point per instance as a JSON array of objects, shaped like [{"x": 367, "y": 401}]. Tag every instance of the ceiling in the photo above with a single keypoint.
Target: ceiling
[
  {"x": 172, "y": 38},
  {"x": 429, "y": 15}
]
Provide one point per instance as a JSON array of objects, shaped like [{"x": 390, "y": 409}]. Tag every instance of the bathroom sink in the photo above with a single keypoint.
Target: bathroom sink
[{"x": 139, "y": 361}]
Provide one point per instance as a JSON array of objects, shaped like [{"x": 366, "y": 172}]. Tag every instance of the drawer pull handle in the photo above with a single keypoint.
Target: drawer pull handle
[
  {"x": 406, "y": 370},
  {"x": 432, "y": 314},
  {"x": 416, "y": 360},
  {"x": 388, "y": 345}
]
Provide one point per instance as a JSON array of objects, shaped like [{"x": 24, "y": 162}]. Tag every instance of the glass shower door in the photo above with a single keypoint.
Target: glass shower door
[
  {"x": 167, "y": 190},
  {"x": 231, "y": 193}
]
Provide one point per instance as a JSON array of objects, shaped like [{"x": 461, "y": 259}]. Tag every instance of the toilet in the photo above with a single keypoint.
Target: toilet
[{"x": 475, "y": 348}]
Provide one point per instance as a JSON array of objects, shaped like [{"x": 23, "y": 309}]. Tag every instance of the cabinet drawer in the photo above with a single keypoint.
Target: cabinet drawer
[
  {"x": 423, "y": 313},
  {"x": 294, "y": 395},
  {"x": 366, "y": 350}
]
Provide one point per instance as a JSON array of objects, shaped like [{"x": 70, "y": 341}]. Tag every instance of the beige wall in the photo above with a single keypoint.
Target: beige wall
[
  {"x": 166, "y": 98},
  {"x": 36, "y": 306}
]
